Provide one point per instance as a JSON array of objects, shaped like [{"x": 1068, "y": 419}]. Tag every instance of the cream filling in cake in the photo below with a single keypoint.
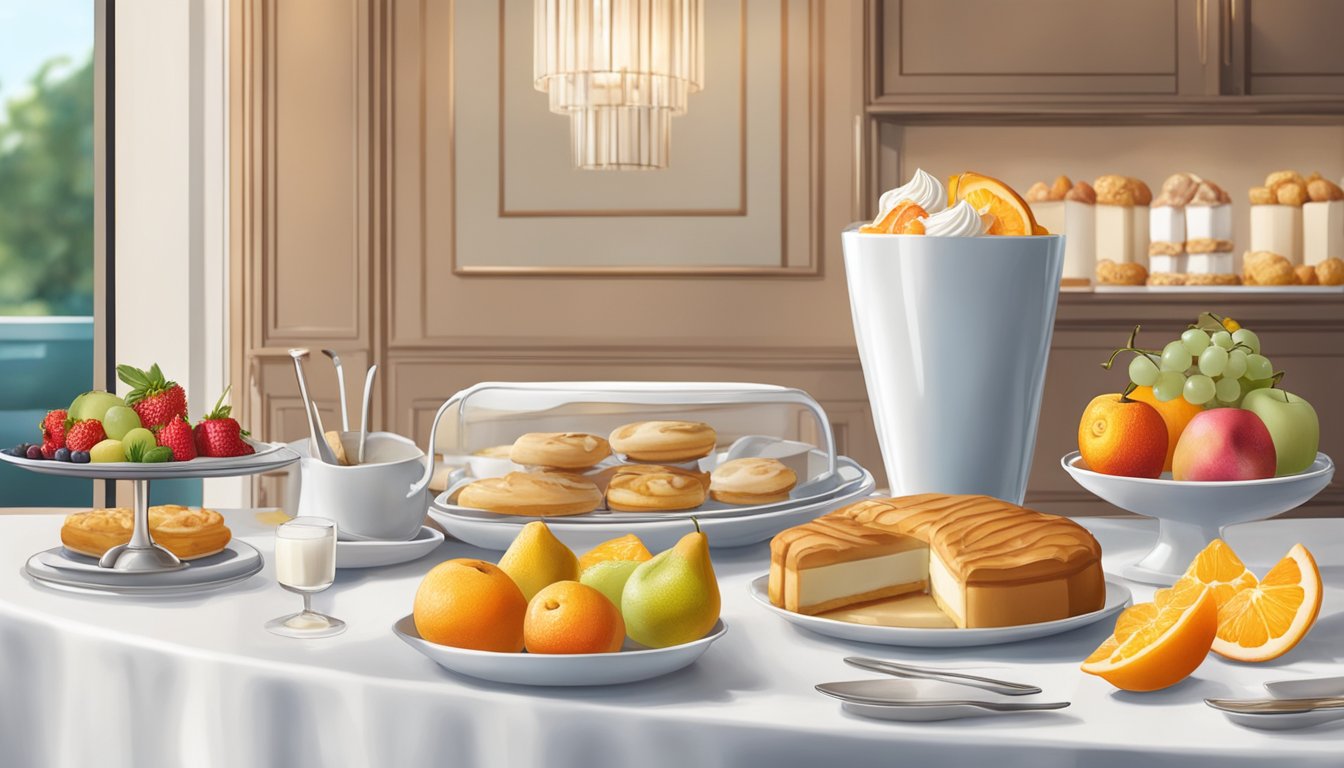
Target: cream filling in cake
[
  {"x": 1166, "y": 224},
  {"x": 1166, "y": 264},
  {"x": 858, "y": 577},
  {"x": 1208, "y": 222},
  {"x": 948, "y": 592},
  {"x": 1210, "y": 264}
]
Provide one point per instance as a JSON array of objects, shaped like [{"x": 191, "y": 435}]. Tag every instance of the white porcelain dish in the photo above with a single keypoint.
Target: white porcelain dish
[
  {"x": 498, "y": 531},
  {"x": 1306, "y": 688},
  {"x": 268, "y": 457},
  {"x": 923, "y": 701},
  {"x": 627, "y": 666},
  {"x": 1117, "y": 599},
  {"x": 60, "y": 568},
  {"x": 1191, "y": 514},
  {"x": 374, "y": 500},
  {"x": 375, "y": 554}
]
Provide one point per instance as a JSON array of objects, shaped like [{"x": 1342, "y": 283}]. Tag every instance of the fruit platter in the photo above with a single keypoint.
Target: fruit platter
[
  {"x": 546, "y": 616},
  {"x": 1202, "y": 437}
]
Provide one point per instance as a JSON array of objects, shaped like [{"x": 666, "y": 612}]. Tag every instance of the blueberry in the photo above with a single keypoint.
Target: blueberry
[
  {"x": 79, "y": 457},
  {"x": 34, "y": 452},
  {"x": 62, "y": 454}
]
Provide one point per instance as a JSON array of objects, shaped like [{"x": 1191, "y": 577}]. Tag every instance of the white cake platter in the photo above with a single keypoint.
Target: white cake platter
[
  {"x": 1117, "y": 599},
  {"x": 63, "y": 569},
  {"x": 1191, "y": 514},
  {"x": 268, "y": 457}
]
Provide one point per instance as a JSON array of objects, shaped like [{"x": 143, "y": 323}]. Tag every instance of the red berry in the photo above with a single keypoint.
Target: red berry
[
  {"x": 177, "y": 435},
  {"x": 83, "y": 435},
  {"x": 53, "y": 429},
  {"x": 153, "y": 398},
  {"x": 219, "y": 435}
]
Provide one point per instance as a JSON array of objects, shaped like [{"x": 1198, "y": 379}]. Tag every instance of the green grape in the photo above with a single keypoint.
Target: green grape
[
  {"x": 1227, "y": 390},
  {"x": 1175, "y": 357},
  {"x": 119, "y": 420},
  {"x": 1222, "y": 339},
  {"x": 1196, "y": 341},
  {"x": 1248, "y": 338},
  {"x": 1258, "y": 368},
  {"x": 1143, "y": 371},
  {"x": 1213, "y": 361},
  {"x": 1169, "y": 386},
  {"x": 1236, "y": 364},
  {"x": 1198, "y": 389}
]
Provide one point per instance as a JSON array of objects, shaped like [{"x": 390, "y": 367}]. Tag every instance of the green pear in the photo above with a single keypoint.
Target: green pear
[
  {"x": 674, "y": 597},
  {"x": 537, "y": 559},
  {"x": 609, "y": 577}
]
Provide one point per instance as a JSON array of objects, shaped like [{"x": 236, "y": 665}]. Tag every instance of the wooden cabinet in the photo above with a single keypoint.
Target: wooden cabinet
[
  {"x": 1284, "y": 47},
  {"x": 989, "y": 48}
]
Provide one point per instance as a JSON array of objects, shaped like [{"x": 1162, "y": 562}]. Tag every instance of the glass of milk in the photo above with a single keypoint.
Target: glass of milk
[{"x": 305, "y": 562}]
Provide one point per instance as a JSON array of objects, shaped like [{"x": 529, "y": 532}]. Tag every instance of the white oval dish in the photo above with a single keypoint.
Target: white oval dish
[
  {"x": 1117, "y": 599},
  {"x": 268, "y": 457},
  {"x": 375, "y": 554},
  {"x": 626, "y": 666}
]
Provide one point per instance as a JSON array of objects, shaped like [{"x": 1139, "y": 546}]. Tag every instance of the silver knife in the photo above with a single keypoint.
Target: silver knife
[
  {"x": 1277, "y": 706},
  {"x": 927, "y": 673},
  {"x": 872, "y": 692}
]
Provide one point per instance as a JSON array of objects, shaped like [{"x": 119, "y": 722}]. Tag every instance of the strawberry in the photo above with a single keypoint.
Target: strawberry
[
  {"x": 83, "y": 435},
  {"x": 155, "y": 400},
  {"x": 53, "y": 432},
  {"x": 176, "y": 434},
  {"x": 218, "y": 434}
]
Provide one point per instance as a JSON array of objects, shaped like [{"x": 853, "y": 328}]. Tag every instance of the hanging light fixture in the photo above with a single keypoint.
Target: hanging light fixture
[{"x": 620, "y": 69}]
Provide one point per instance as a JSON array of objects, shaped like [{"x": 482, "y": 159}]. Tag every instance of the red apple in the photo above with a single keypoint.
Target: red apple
[{"x": 1224, "y": 444}]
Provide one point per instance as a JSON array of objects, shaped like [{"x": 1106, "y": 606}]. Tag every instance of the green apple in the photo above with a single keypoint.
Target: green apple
[
  {"x": 609, "y": 577},
  {"x": 1292, "y": 425},
  {"x": 93, "y": 405},
  {"x": 138, "y": 436},
  {"x": 119, "y": 420},
  {"x": 673, "y": 598}
]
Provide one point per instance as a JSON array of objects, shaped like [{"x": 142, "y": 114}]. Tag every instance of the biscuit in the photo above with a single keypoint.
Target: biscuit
[
  {"x": 1262, "y": 196},
  {"x": 1127, "y": 273},
  {"x": 1306, "y": 274},
  {"x": 1214, "y": 279},
  {"x": 649, "y": 469},
  {"x": 1279, "y": 178},
  {"x": 535, "y": 494},
  {"x": 1291, "y": 194},
  {"x": 1265, "y": 268},
  {"x": 751, "y": 481},
  {"x": 187, "y": 533},
  {"x": 1038, "y": 193},
  {"x": 1208, "y": 193},
  {"x": 1159, "y": 248},
  {"x": 1323, "y": 190},
  {"x": 1082, "y": 192},
  {"x": 1178, "y": 190},
  {"x": 337, "y": 447},
  {"x": 1113, "y": 189},
  {"x": 1166, "y": 278},
  {"x": 1060, "y": 188},
  {"x": 1208, "y": 245},
  {"x": 664, "y": 440},
  {"x": 654, "y": 489},
  {"x": 1330, "y": 272},
  {"x": 563, "y": 450}
]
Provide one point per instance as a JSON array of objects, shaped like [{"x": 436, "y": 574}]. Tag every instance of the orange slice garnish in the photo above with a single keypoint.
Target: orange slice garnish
[
  {"x": 898, "y": 220},
  {"x": 1264, "y": 621},
  {"x": 1158, "y": 644},
  {"x": 1012, "y": 215},
  {"x": 1039, "y": 230}
]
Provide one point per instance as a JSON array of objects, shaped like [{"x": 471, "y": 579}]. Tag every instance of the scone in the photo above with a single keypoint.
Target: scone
[
  {"x": 648, "y": 469},
  {"x": 186, "y": 532},
  {"x": 751, "y": 481},
  {"x": 1122, "y": 273},
  {"x": 659, "y": 490},
  {"x": 563, "y": 450},
  {"x": 664, "y": 440},
  {"x": 534, "y": 494}
]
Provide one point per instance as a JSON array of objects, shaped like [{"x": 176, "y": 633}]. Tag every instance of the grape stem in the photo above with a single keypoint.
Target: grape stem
[{"x": 1129, "y": 347}]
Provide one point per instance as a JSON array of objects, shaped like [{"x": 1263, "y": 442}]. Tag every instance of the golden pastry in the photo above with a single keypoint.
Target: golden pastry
[
  {"x": 1208, "y": 245},
  {"x": 1306, "y": 274},
  {"x": 1324, "y": 190},
  {"x": 1038, "y": 192},
  {"x": 834, "y": 562},
  {"x": 751, "y": 481},
  {"x": 1212, "y": 279},
  {"x": 186, "y": 532},
  {"x": 1126, "y": 273},
  {"x": 1082, "y": 192},
  {"x": 337, "y": 447},
  {"x": 664, "y": 440},
  {"x": 1166, "y": 278},
  {"x": 1114, "y": 189},
  {"x": 1262, "y": 196},
  {"x": 563, "y": 450},
  {"x": 1159, "y": 248},
  {"x": 662, "y": 489},
  {"x": 1265, "y": 268},
  {"x": 646, "y": 469},
  {"x": 535, "y": 494},
  {"x": 1330, "y": 272}
]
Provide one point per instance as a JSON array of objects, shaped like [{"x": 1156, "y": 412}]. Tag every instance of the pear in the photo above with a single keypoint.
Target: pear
[
  {"x": 609, "y": 577},
  {"x": 674, "y": 597},
  {"x": 536, "y": 560}
]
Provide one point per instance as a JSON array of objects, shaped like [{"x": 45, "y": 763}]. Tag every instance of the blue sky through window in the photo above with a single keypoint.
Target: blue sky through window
[{"x": 34, "y": 31}]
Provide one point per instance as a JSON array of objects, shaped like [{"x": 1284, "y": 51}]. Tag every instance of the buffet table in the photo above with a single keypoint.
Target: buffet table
[{"x": 198, "y": 681}]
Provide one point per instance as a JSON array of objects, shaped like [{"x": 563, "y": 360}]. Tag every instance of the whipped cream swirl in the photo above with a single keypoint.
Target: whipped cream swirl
[
  {"x": 961, "y": 220},
  {"x": 922, "y": 188}
]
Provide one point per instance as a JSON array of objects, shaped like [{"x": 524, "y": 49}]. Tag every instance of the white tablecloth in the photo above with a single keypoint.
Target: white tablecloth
[{"x": 198, "y": 682}]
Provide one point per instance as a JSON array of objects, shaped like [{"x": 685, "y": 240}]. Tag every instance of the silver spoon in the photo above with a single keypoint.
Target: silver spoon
[
  {"x": 317, "y": 442},
  {"x": 340, "y": 383},
  {"x": 365, "y": 414},
  {"x": 1281, "y": 714},
  {"x": 928, "y": 673}
]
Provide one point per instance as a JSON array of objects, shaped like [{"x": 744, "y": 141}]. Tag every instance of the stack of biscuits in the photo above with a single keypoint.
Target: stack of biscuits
[
  {"x": 186, "y": 532},
  {"x": 1190, "y": 234},
  {"x": 1122, "y": 230},
  {"x": 657, "y": 470}
]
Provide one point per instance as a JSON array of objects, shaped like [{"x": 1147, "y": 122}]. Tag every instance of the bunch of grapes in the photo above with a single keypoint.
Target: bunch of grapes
[{"x": 1208, "y": 365}]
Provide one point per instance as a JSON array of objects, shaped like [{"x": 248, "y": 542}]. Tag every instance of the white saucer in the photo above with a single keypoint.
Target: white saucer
[
  {"x": 60, "y": 568},
  {"x": 372, "y": 554},
  {"x": 1117, "y": 599},
  {"x": 626, "y": 666}
]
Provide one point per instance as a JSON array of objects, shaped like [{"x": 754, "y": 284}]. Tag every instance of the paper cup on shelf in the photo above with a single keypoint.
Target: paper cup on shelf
[{"x": 953, "y": 334}]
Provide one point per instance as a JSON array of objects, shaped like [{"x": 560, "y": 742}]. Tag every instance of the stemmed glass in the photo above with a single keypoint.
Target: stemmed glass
[{"x": 305, "y": 562}]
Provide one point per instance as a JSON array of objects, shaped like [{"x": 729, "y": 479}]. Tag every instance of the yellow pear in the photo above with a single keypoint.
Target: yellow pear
[
  {"x": 673, "y": 598},
  {"x": 536, "y": 559}
]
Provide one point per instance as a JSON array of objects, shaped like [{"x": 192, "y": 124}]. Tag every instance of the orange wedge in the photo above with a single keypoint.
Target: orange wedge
[
  {"x": 898, "y": 220},
  {"x": 1263, "y": 621},
  {"x": 1012, "y": 215},
  {"x": 1158, "y": 644},
  {"x": 1039, "y": 230},
  {"x": 1219, "y": 569},
  {"x": 627, "y": 547}
]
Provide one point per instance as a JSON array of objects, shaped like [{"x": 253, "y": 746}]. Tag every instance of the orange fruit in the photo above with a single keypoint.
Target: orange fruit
[
  {"x": 1263, "y": 621},
  {"x": 1219, "y": 569},
  {"x": 1120, "y": 436},
  {"x": 1231, "y": 325},
  {"x": 627, "y": 547},
  {"x": 569, "y": 617},
  {"x": 469, "y": 603},
  {"x": 1011, "y": 214},
  {"x": 1039, "y": 230},
  {"x": 1158, "y": 644},
  {"x": 1176, "y": 413},
  {"x": 899, "y": 220}
]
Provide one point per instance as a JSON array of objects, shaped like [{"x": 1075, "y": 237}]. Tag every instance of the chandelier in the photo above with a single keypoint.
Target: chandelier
[{"x": 620, "y": 69}]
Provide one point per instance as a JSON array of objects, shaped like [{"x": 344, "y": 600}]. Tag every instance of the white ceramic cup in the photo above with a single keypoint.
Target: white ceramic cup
[
  {"x": 954, "y": 334},
  {"x": 369, "y": 500}
]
